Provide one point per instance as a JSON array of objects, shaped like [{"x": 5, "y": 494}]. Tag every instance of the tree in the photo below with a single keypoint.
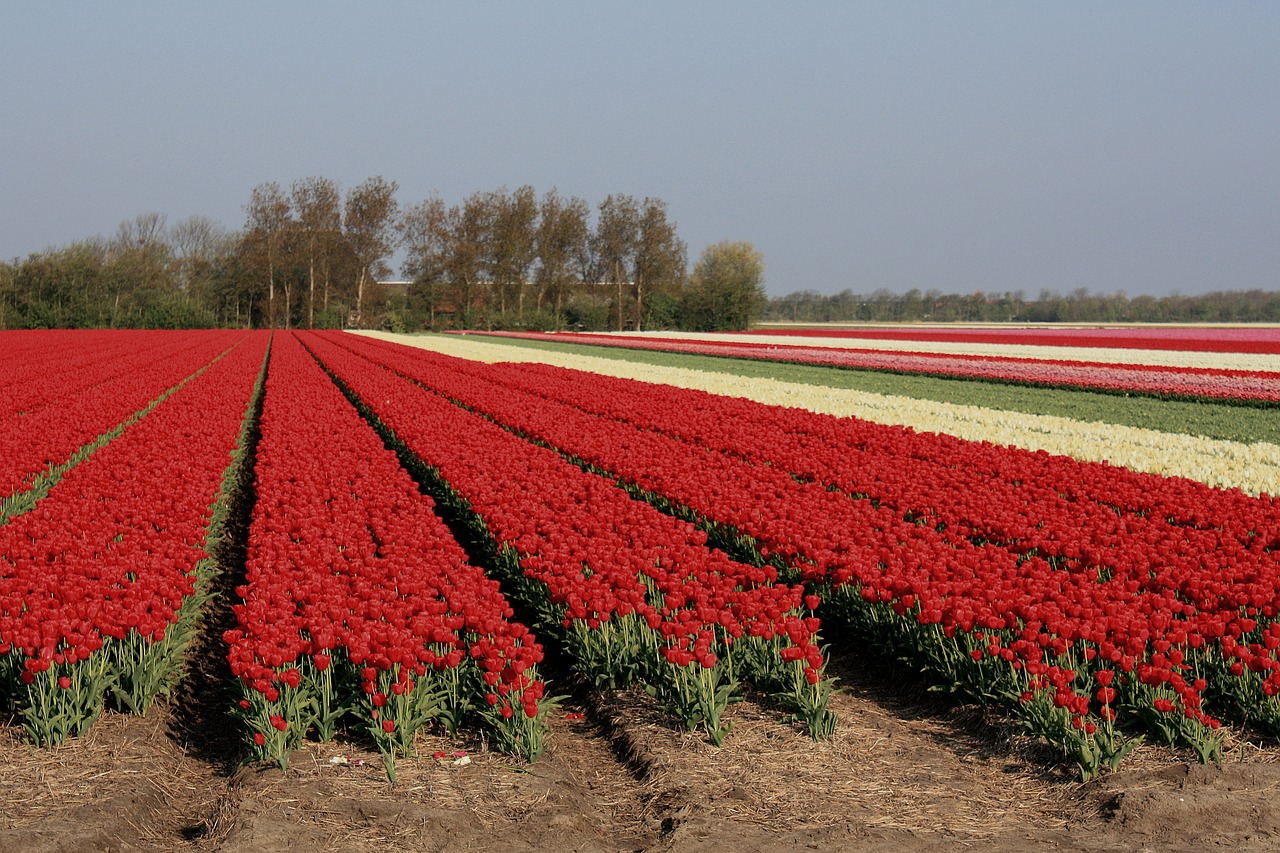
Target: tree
[
  {"x": 424, "y": 233},
  {"x": 659, "y": 262},
  {"x": 138, "y": 273},
  {"x": 617, "y": 228},
  {"x": 471, "y": 234},
  {"x": 201, "y": 248},
  {"x": 512, "y": 249},
  {"x": 319, "y": 206},
  {"x": 726, "y": 289},
  {"x": 562, "y": 243},
  {"x": 499, "y": 259},
  {"x": 269, "y": 213},
  {"x": 8, "y": 294},
  {"x": 65, "y": 288},
  {"x": 370, "y": 217}
]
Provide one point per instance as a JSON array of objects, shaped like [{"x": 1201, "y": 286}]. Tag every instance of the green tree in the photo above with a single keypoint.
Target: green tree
[
  {"x": 468, "y": 266},
  {"x": 425, "y": 234},
  {"x": 726, "y": 289},
  {"x": 242, "y": 292},
  {"x": 318, "y": 202},
  {"x": 513, "y": 246},
  {"x": 201, "y": 249},
  {"x": 139, "y": 273},
  {"x": 370, "y": 216},
  {"x": 658, "y": 264},
  {"x": 9, "y": 295},
  {"x": 269, "y": 214},
  {"x": 617, "y": 229},
  {"x": 562, "y": 240}
]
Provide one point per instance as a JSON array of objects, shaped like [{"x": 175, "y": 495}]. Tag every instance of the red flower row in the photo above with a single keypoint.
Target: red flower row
[
  {"x": 1039, "y": 554},
  {"x": 1249, "y": 385},
  {"x": 348, "y": 564},
  {"x": 1031, "y": 498},
  {"x": 62, "y": 400},
  {"x": 600, "y": 556},
  {"x": 109, "y": 557},
  {"x": 38, "y": 368}
]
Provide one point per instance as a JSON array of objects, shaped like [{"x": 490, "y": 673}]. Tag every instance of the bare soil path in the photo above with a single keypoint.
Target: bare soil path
[{"x": 906, "y": 773}]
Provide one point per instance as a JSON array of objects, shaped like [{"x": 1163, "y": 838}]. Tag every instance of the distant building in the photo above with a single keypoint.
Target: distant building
[{"x": 395, "y": 288}]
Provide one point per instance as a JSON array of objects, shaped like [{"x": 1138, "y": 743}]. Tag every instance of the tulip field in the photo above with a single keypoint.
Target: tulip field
[
  {"x": 356, "y": 597},
  {"x": 425, "y": 525},
  {"x": 104, "y": 575},
  {"x": 1098, "y": 605},
  {"x": 878, "y": 351}
]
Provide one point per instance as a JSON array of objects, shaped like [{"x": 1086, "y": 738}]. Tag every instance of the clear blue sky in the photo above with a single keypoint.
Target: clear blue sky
[{"x": 959, "y": 146}]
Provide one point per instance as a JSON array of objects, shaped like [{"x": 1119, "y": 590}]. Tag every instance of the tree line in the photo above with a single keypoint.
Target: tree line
[
  {"x": 312, "y": 256},
  {"x": 1078, "y": 306}
]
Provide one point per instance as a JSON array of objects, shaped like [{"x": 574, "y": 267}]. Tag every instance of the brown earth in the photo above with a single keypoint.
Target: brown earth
[{"x": 907, "y": 772}]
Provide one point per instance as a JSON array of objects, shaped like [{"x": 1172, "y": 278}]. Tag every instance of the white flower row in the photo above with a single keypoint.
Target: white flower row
[
  {"x": 1253, "y": 468},
  {"x": 1102, "y": 355}
]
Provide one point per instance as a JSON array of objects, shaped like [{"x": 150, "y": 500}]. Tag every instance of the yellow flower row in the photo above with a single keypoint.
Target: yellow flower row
[{"x": 1253, "y": 468}]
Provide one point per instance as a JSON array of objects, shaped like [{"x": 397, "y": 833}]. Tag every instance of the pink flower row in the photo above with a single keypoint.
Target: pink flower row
[{"x": 1249, "y": 339}]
